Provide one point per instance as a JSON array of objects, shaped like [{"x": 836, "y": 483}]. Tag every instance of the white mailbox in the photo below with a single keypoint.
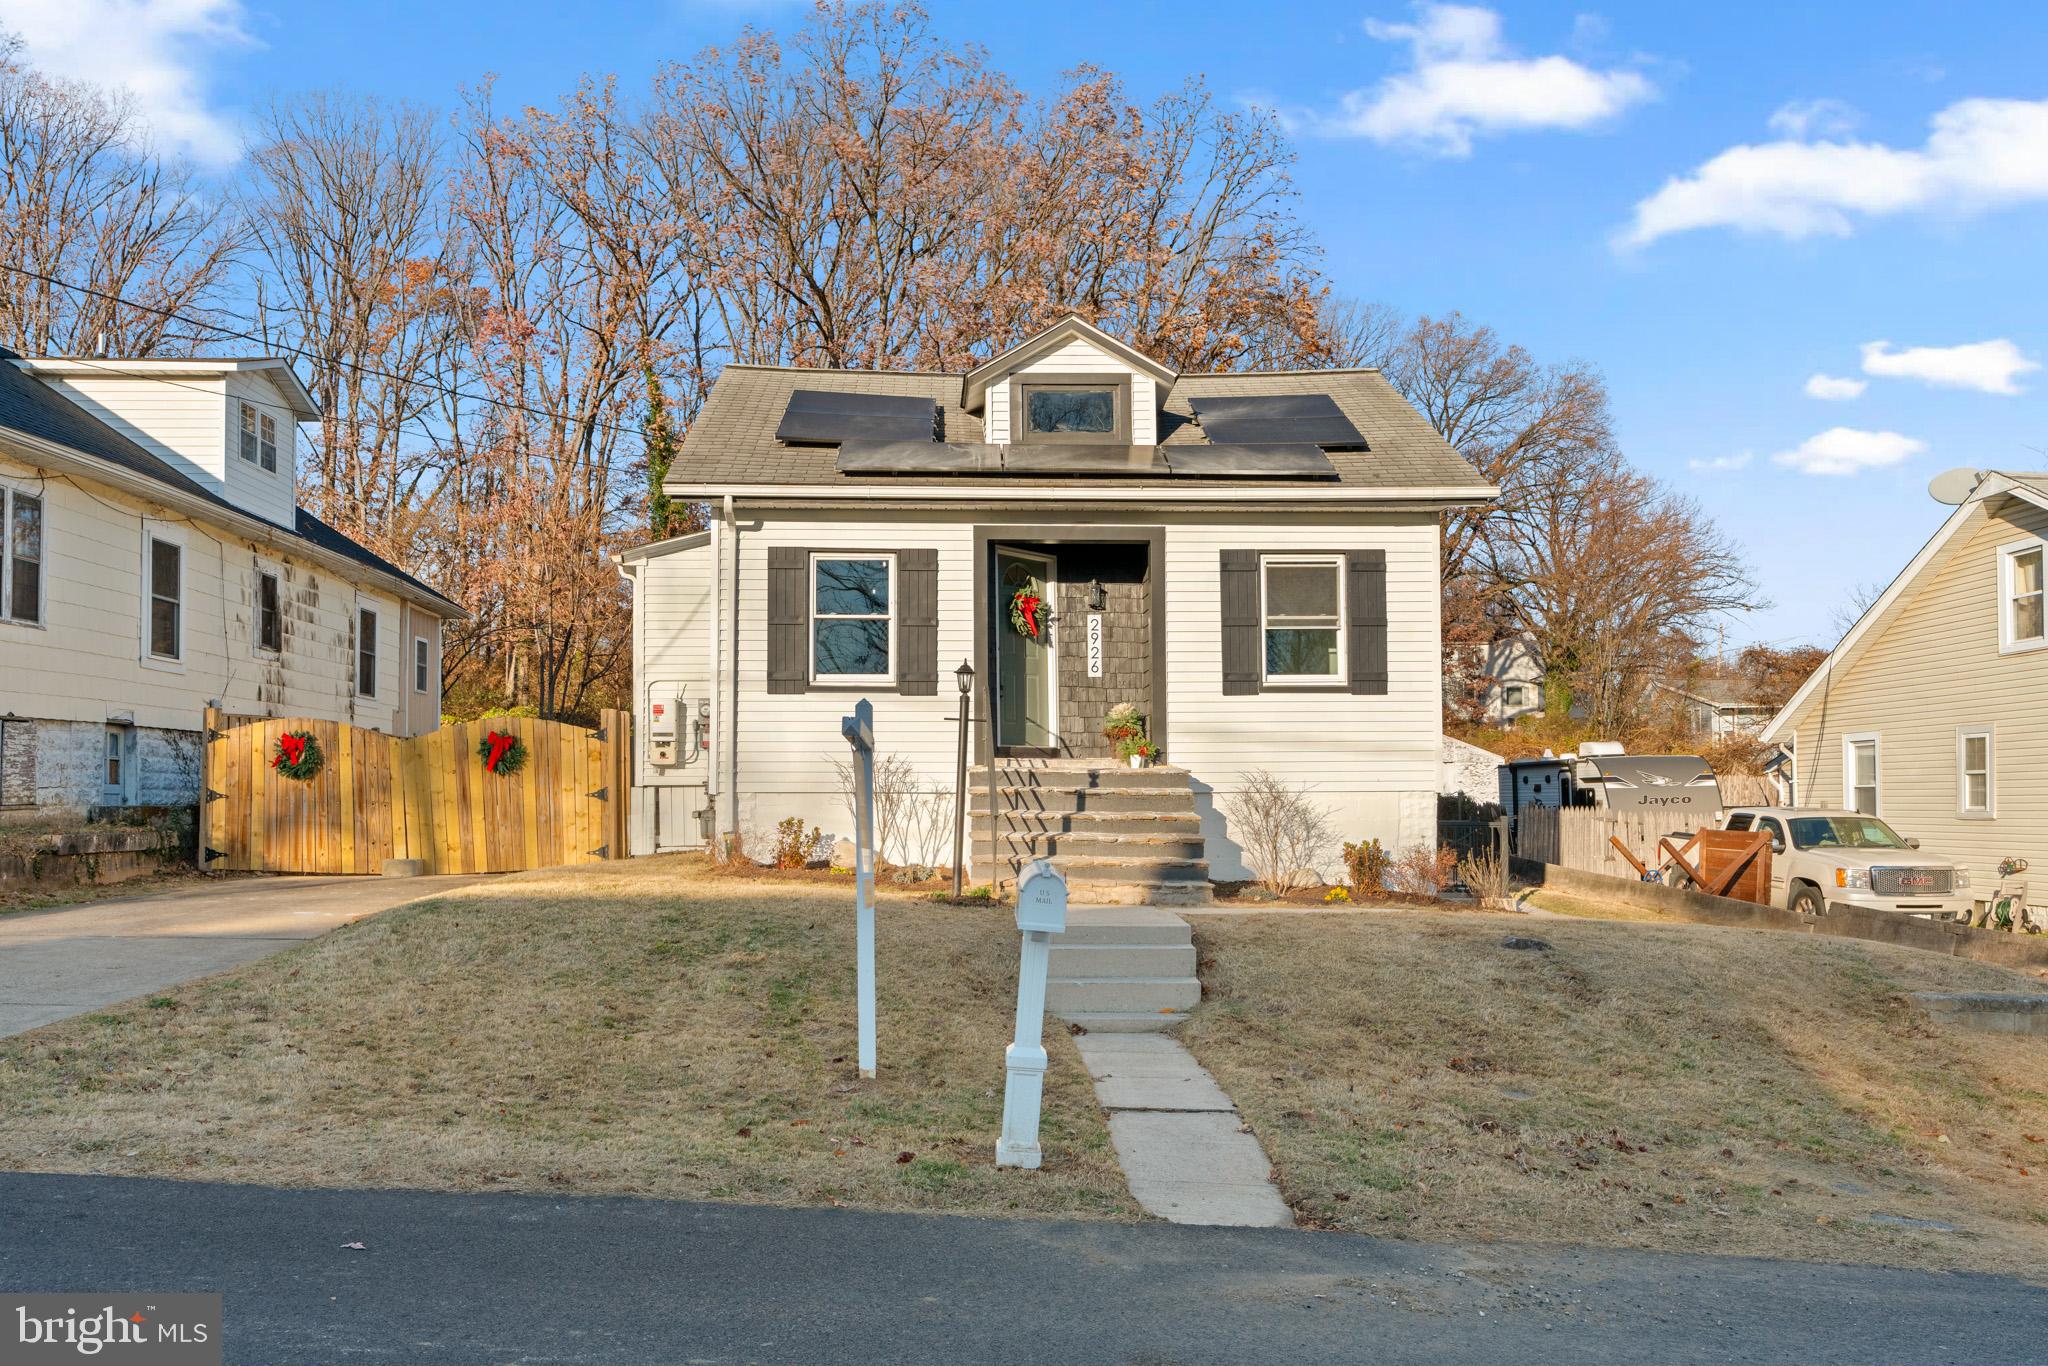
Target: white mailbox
[{"x": 1042, "y": 899}]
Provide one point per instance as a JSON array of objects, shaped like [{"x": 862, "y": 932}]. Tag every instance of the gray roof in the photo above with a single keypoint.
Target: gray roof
[
  {"x": 30, "y": 406},
  {"x": 732, "y": 442}
]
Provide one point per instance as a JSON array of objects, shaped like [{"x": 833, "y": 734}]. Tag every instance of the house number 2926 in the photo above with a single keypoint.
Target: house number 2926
[{"x": 1095, "y": 645}]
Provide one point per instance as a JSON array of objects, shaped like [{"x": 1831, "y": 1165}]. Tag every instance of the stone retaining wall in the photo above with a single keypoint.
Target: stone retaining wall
[{"x": 100, "y": 854}]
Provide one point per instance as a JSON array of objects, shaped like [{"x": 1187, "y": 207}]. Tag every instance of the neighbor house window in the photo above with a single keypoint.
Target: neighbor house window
[
  {"x": 166, "y": 598},
  {"x": 249, "y": 437},
  {"x": 420, "y": 659},
  {"x": 366, "y": 652},
  {"x": 267, "y": 425},
  {"x": 21, "y": 556},
  {"x": 1302, "y": 613},
  {"x": 1515, "y": 695},
  {"x": 851, "y": 624},
  {"x": 1974, "y": 793},
  {"x": 1077, "y": 409},
  {"x": 269, "y": 614},
  {"x": 1859, "y": 773},
  {"x": 2024, "y": 622}
]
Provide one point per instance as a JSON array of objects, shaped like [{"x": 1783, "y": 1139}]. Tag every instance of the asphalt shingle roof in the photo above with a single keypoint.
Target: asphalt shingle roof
[
  {"x": 733, "y": 439},
  {"x": 30, "y": 406}
]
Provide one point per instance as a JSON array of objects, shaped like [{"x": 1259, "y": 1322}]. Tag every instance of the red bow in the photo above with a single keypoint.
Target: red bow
[
  {"x": 1029, "y": 606},
  {"x": 499, "y": 745},
  {"x": 290, "y": 750}
]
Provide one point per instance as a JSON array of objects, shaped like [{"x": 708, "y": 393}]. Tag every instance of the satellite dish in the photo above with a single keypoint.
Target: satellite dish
[{"x": 1955, "y": 486}]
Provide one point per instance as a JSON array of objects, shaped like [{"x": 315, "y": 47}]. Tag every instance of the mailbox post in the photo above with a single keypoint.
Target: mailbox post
[
  {"x": 1041, "y": 914},
  {"x": 859, "y": 730}
]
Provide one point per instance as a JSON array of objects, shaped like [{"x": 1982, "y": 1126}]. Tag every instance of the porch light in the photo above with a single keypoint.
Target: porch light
[
  {"x": 1098, "y": 596},
  {"x": 964, "y": 675}
]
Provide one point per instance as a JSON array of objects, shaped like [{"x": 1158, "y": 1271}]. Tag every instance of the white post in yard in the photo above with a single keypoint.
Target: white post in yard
[
  {"x": 859, "y": 730},
  {"x": 1041, "y": 914}
]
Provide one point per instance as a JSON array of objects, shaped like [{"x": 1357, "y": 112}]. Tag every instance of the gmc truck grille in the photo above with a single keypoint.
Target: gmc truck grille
[{"x": 1911, "y": 881}]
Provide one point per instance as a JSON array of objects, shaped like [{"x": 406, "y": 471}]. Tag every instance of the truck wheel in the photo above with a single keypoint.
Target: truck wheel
[{"x": 1806, "y": 900}]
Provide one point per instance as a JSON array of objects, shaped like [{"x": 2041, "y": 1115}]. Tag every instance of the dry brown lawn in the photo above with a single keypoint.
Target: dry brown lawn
[
  {"x": 1678, "y": 1087},
  {"x": 633, "y": 1028},
  {"x": 1589, "y": 908}
]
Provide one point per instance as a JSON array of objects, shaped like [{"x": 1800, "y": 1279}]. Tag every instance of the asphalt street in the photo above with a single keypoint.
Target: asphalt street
[{"x": 521, "y": 1279}]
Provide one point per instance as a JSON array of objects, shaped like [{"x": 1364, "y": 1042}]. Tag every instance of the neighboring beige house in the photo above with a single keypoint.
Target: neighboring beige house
[
  {"x": 1515, "y": 680},
  {"x": 154, "y": 560},
  {"x": 1250, "y": 559},
  {"x": 1933, "y": 711},
  {"x": 1715, "y": 707}
]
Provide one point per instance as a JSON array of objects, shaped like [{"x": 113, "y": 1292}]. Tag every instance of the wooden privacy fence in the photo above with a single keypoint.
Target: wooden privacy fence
[
  {"x": 426, "y": 797},
  {"x": 1582, "y": 837}
]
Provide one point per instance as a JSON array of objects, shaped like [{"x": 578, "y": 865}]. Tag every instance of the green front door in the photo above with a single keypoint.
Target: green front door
[{"x": 1024, "y": 664}]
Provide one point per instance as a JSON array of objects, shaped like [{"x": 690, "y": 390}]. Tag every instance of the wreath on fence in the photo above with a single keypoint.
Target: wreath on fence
[
  {"x": 298, "y": 756},
  {"x": 1025, "y": 606},
  {"x": 502, "y": 754}
]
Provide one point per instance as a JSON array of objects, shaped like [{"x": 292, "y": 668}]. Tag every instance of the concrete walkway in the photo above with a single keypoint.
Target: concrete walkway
[
  {"x": 1186, "y": 1154},
  {"x": 58, "y": 963}
]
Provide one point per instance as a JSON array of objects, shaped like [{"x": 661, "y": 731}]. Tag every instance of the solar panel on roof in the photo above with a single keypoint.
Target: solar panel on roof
[
  {"x": 1083, "y": 459},
  {"x": 826, "y": 418},
  {"x": 918, "y": 457},
  {"x": 1272, "y": 419},
  {"x": 1293, "y": 461}
]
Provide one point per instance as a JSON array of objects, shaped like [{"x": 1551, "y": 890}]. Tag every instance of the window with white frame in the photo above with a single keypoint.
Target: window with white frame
[
  {"x": 1516, "y": 694},
  {"x": 269, "y": 613},
  {"x": 267, "y": 442},
  {"x": 421, "y": 657},
  {"x": 366, "y": 652},
  {"x": 166, "y": 599},
  {"x": 852, "y": 622},
  {"x": 1301, "y": 613},
  {"x": 2023, "y": 623},
  {"x": 1859, "y": 773},
  {"x": 21, "y": 557},
  {"x": 1975, "y": 794}
]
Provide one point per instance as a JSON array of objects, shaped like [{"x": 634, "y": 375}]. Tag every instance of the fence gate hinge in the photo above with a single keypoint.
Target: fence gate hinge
[
  {"x": 209, "y": 854},
  {"x": 602, "y": 851},
  {"x": 603, "y": 794},
  {"x": 212, "y": 735},
  {"x": 213, "y": 796},
  {"x": 601, "y": 734}
]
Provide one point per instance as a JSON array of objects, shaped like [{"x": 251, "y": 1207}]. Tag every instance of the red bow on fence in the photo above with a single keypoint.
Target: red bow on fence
[
  {"x": 290, "y": 750},
  {"x": 499, "y": 745}
]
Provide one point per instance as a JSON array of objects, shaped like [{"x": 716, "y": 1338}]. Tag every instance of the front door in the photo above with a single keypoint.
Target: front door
[{"x": 1025, "y": 677}]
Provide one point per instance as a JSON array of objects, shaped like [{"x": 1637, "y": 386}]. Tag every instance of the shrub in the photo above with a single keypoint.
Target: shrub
[
  {"x": 1423, "y": 871},
  {"x": 794, "y": 848},
  {"x": 1283, "y": 833},
  {"x": 896, "y": 788},
  {"x": 1485, "y": 875},
  {"x": 1367, "y": 864}
]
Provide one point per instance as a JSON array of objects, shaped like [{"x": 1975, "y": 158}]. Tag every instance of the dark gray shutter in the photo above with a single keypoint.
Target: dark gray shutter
[
  {"x": 1240, "y": 616},
  {"x": 789, "y": 619},
  {"x": 917, "y": 622},
  {"x": 1366, "y": 621}
]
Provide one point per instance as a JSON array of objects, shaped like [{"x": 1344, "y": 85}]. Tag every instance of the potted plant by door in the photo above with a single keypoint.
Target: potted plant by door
[
  {"x": 1124, "y": 728},
  {"x": 1138, "y": 752}
]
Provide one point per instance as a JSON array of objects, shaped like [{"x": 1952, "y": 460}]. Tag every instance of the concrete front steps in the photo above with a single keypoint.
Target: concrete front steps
[
  {"x": 1122, "y": 836},
  {"x": 1122, "y": 970}
]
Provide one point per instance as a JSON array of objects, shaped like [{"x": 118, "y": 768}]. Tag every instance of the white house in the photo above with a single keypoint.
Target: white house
[
  {"x": 1251, "y": 559},
  {"x": 1514, "y": 686},
  {"x": 1716, "y": 707},
  {"x": 154, "y": 560}
]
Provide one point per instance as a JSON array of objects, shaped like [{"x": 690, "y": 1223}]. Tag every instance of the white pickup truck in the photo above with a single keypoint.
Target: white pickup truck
[{"x": 1819, "y": 856}]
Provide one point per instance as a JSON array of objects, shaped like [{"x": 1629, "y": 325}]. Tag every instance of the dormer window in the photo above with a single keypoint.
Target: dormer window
[
  {"x": 1075, "y": 409},
  {"x": 259, "y": 438}
]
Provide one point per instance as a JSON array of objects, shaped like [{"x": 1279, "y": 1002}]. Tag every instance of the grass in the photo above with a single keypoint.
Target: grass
[
  {"x": 1589, "y": 908},
  {"x": 1676, "y": 1087},
  {"x": 636, "y": 1028}
]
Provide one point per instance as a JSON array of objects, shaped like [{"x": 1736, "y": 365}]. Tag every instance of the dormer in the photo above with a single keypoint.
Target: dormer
[
  {"x": 1072, "y": 384},
  {"x": 231, "y": 425}
]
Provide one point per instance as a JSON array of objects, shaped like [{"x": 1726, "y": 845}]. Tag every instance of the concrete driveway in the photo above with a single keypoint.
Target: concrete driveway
[{"x": 63, "y": 962}]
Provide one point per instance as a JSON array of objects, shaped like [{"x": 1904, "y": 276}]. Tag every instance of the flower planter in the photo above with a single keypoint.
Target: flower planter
[{"x": 1138, "y": 761}]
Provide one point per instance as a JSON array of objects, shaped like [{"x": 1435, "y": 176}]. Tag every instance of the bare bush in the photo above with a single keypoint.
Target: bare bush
[
  {"x": 1485, "y": 875},
  {"x": 929, "y": 828},
  {"x": 1284, "y": 835},
  {"x": 896, "y": 797},
  {"x": 1423, "y": 870}
]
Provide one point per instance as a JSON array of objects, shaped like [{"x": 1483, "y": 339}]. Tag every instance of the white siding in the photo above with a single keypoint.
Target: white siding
[
  {"x": 1373, "y": 760},
  {"x": 1079, "y": 357},
  {"x": 180, "y": 422},
  {"x": 270, "y": 494},
  {"x": 86, "y": 662},
  {"x": 672, "y": 660}
]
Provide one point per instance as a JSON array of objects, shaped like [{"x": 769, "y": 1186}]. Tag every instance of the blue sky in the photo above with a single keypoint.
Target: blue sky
[{"x": 1841, "y": 177}]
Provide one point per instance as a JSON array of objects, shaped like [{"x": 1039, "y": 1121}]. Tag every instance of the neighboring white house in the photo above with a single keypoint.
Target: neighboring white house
[
  {"x": 1715, "y": 707},
  {"x": 1514, "y": 680},
  {"x": 1251, "y": 559},
  {"x": 1932, "y": 712},
  {"x": 153, "y": 561}
]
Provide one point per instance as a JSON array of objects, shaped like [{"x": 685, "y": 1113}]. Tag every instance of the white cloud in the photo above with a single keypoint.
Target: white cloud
[
  {"x": 1721, "y": 464},
  {"x": 1988, "y": 366},
  {"x": 1981, "y": 154},
  {"x": 1835, "y": 387},
  {"x": 1845, "y": 450},
  {"x": 1466, "y": 82},
  {"x": 1803, "y": 119},
  {"x": 157, "y": 50}
]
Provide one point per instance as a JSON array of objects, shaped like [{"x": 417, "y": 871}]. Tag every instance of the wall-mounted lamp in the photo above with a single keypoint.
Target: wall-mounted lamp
[{"x": 1098, "y": 596}]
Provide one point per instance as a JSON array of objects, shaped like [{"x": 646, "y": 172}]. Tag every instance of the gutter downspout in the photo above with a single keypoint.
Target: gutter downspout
[{"x": 731, "y": 671}]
